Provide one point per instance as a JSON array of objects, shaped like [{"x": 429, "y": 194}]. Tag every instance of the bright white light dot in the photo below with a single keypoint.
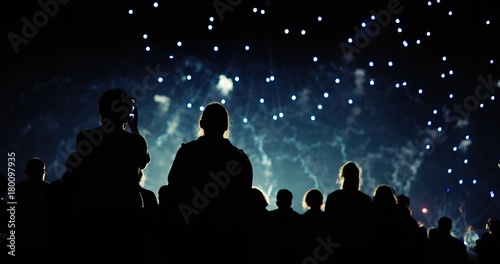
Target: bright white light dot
[
  {"x": 363, "y": 24},
  {"x": 202, "y": 108},
  {"x": 397, "y": 85},
  {"x": 337, "y": 80},
  {"x": 440, "y": 129},
  {"x": 400, "y": 30},
  {"x": 271, "y": 77},
  {"x": 326, "y": 95},
  {"x": 397, "y": 21},
  {"x": 449, "y": 170},
  {"x": 171, "y": 56},
  {"x": 451, "y": 96},
  {"x": 481, "y": 105},
  {"x": 211, "y": 19},
  {"x": 444, "y": 58},
  {"x": 245, "y": 120},
  {"x": 281, "y": 115},
  {"x": 390, "y": 63},
  {"x": 428, "y": 33},
  {"x": 405, "y": 43},
  {"x": 467, "y": 137},
  {"x": 247, "y": 47},
  {"x": 267, "y": 79},
  {"x": 487, "y": 22},
  {"x": 262, "y": 11},
  {"x": 474, "y": 181},
  {"x": 210, "y": 27},
  {"x": 350, "y": 101},
  {"x": 155, "y": 4},
  {"x": 303, "y": 32},
  {"x": 236, "y": 79},
  {"x": 189, "y": 105},
  {"x": 320, "y": 107},
  {"x": 320, "y": 18},
  {"x": 372, "y": 82},
  {"x": 492, "y": 97},
  {"x": 420, "y": 91},
  {"x": 261, "y": 100},
  {"x": 188, "y": 77},
  {"x": 460, "y": 182},
  {"x": 315, "y": 59},
  {"x": 313, "y": 118},
  {"x": 429, "y": 123},
  {"x": 455, "y": 148},
  {"x": 466, "y": 161},
  {"x": 294, "y": 97},
  {"x": 223, "y": 101},
  {"x": 255, "y": 10},
  {"x": 287, "y": 31},
  {"x": 450, "y": 72},
  {"x": 492, "y": 194},
  {"x": 179, "y": 43},
  {"x": 148, "y": 48},
  {"x": 418, "y": 41},
  {"x": 275, "y": 117},
  {"x": 373, "y": 17},
  {"x": 371, "y": 63},
  {"x": 160, "y": 79},
  {"x": 216, "y": 48},
  {"x": 404, "y": 83},
  {"x": 349, "y": 40},
  {"x": 145, "y": 36},
  {"x": 435, "y": 111},
  {"x": 492, "y": 61},
  {"x": 429, "y": 3},
  {"x": 428, "y": 146},
  {"x": 450, "y": 13},
  {"x": 130, "y": 11},
  {"x": 443, "y": 75}
]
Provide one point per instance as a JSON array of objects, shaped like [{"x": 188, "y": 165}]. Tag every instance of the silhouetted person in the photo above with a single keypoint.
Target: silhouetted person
[
  {"x": 444, "y": 248},
  {"x": 150, "y": 222},
  {"x": 260, "y": 230},
  {"x": 488, "y": 245},
  {"x": 286, "y": 217},
  {"x": 391, "y": 230},
  {"x": 101, "y": 182},
  {"x": 208, "y": 184},
  {"x": 31, "y": 215},
  {"x": 414, "y": 233},
  {"x": 310, "y": 229},
  {"x": 349, "y": 213}
]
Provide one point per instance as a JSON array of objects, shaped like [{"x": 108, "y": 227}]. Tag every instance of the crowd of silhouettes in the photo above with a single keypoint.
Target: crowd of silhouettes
[{"x": 210, "y": 210}]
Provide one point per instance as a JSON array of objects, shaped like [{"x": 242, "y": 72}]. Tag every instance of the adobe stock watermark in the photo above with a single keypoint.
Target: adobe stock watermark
[
  {"x": 228, "y": 6},
  {"x": 322, "y": 251},
  {"x": 484, "y": 90},
  {"x": 201, "y": 198},
  {"x": 372, "y": 29},
  {"x": 93, "y": 138},
  {"x": 30, "y": 28}
]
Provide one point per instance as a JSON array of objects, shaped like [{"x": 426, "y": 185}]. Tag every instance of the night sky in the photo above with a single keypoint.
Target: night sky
[{"x": 407, "y": 89}]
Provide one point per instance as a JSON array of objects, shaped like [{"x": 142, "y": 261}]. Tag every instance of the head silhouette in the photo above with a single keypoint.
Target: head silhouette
[
  {"x": 35, "y": 169},
  {"x": 258, "y": 199},
  {"x": 350, "y": 176},
  {"x": 214, "y": 121},
  {"x": 445, "y": 224},
  {"x": 115, "y": 106},
  {"x": 313, "y": 199},
  {"x": 284, "y": 198},
  {"x": 384, "y": 195}
]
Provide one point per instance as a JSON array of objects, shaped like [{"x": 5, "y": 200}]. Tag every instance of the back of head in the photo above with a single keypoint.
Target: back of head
[
  {"x": 403, "y": 200},
  {"x": 258, "y": 199},
  {"x": 35, "y": 168},
  {"x": 214, "y": 120},
  {"x": 115, "y": 105},
  {"x": 384, "y": 195},
  {"x": 444, "y": 224},
  {"x": 284, "y": 198},
  {"x": 350, "y": 176},
  {"x": 313, "y": 199}
]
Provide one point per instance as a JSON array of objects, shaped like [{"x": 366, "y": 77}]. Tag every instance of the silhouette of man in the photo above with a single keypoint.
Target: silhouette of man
[
  {"x": 444, "y": 248},
  {"x": 286, "y": 217},
  {"x": 209, "y": 183}
]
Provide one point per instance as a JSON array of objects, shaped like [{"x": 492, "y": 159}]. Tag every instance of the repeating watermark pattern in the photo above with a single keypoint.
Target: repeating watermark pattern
[
  {"x": 30, "y": 28},
  {"x": 373, "y": 28},
  {"x": 322, "y": 251},
  {"x": 212, "y": 189},
  {"x": 11, "y": 204},
  {"x": 222, "y": 7}
]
